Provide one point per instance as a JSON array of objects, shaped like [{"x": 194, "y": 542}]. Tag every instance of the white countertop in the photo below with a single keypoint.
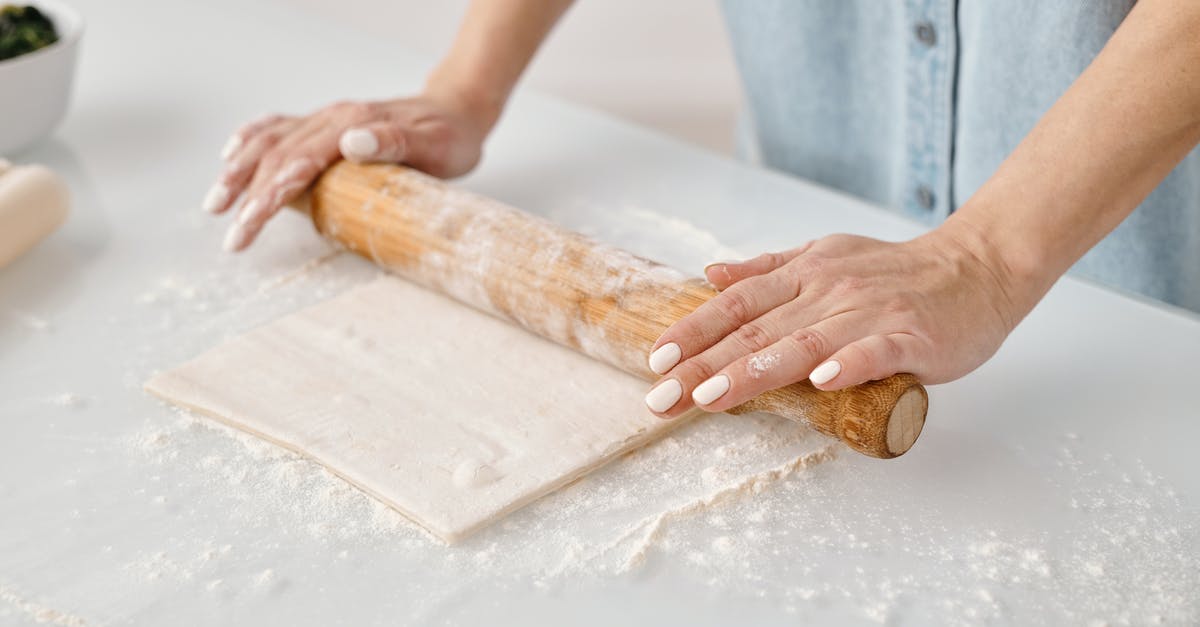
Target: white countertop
[{"x": 1056, "y": 484}]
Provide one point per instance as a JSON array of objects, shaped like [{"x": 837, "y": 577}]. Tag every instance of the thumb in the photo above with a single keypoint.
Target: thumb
[
  {"x": 869, "y": 359},
  {"x": 381, "y": 141},
  {"x": 428, "y": 147}
]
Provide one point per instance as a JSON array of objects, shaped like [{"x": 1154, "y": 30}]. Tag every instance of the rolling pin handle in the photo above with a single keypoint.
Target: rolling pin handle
[{"x": 879, "y": 418}]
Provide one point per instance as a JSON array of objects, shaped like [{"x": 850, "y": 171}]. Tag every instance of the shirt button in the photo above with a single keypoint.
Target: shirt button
[
  {"x": 925, "y": 197},
  {"x": 925, "y": 33}
]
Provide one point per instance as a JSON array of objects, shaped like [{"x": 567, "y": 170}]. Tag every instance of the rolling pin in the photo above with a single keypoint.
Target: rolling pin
[{"x": 561, "y": 285}]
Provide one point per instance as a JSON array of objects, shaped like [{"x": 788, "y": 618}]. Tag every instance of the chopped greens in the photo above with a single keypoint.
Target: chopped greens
[{"x": 24, "y": 29}]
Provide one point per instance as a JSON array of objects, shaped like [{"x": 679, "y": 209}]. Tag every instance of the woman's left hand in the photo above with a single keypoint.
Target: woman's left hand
[{"x": 839, "y": 311}]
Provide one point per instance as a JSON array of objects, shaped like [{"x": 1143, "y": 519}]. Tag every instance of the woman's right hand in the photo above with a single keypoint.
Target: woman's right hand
[{"x": 270, "y": 162}]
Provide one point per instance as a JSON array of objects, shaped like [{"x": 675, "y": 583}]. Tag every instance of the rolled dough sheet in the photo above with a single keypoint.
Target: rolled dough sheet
[{"x": 448, "y": 415}]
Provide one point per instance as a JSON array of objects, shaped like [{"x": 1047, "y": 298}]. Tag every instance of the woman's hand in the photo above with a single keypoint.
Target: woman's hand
[
  {"x": 270, "y": 162},
  {"x": 839, "y": 311}
]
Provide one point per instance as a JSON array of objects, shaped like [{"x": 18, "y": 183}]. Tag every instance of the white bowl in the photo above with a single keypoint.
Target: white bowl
[{"x": 37, "y": 86}]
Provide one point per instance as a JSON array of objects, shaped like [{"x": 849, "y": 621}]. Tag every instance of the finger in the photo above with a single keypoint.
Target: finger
[
  {"x": 377, "y": 142},
  {"x": 748, "y": 339},
  {"x": 722, "y": 274},
  {"x": 245, "y": 132},
  {"x": 288, "y": 184},
  {"x": 869, "y": 359},
  {"x": 265, "y": 158},
  {"x": 284, "y": 185},
  {"x": 240, "y": 171},
  {"x": 427, "y": 146},
  {"x": 787, "y": 361},
  {"x": 722, "y": 315}
]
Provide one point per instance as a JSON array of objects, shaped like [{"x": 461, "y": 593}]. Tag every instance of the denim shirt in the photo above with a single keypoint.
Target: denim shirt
[{"x": 913, "y": 104}]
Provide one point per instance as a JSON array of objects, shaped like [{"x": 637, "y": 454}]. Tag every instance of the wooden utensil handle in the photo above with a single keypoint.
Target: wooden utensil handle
[{"x": 600, "y": 300}]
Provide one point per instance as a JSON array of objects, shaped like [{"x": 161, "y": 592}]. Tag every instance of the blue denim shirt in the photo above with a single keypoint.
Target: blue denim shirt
[{"x": 912, "y": 104}]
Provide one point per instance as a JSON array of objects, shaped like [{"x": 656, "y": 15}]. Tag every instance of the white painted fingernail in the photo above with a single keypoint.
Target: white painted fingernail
[
  {"x": 825, "y": 372},
  {"x": 711, "y": 390},
  {"x": 725, "y": 262},
  {"x": 249, "y": 212},
  {"x": 665, "y": 357},
  {"x": 359, "y": 142},
  {"x": 664, "y": 395},
  {"x": 234, "y": 239},
  {"x": 724, "y": 265},
  {"x": 216, "y": 198},
  {"x": 231, "y": 146}
]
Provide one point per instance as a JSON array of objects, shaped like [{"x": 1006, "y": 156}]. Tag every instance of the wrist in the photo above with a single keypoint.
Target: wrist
[
  {"x": 1016, "y": 269},
  {"x": 480, "y": 102}
]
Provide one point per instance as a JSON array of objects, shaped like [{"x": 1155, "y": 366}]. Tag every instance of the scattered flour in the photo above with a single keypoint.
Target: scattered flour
[
  {"x": 304, "y": 270},
  {"x": 265, "y": 577},
  {"x": 167, "y": 289},
  {"x": 30, "y": 321},
  {"x": 753, "y": 507},
  {"x": 67, "y": 399},
  {"x": 723, "y": 545},
  {"x": 30, "y": 610},
  {"x": 654, "y": 527},
  {"x": 670, "y": 239}
]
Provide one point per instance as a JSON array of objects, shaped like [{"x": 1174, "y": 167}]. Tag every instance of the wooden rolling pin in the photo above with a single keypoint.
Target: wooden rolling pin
[{"x": 602, "y": 301}]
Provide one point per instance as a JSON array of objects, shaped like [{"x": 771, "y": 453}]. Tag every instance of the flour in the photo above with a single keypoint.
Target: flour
[
  {"x": 718, "y": 499},
  {"x": 30, "y": 321},
  {"x": 476, "y": 261},
  {"x": 265, "y": 577},
  {"x": 654, "y": 527},
  {"x": 13, "y": 601},
  {"x": 68, "y": 400},
  {"x": 723, "y": 545},
  {"x": 304, "y": 270},
  {"x": 169, "y": 288},
  {"x": 671, "y": 239},
  {"x": 758, "y": 365},
  {"x": 774, "y": 546}
]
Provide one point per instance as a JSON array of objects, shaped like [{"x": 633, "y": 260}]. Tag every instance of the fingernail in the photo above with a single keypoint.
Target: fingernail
[
  {"x": 825, "y": 372},
  {"x": 359, "y": 142},
  {"x": 711, "y": 390},
  {"x": 664, "y": 396},
  {"x": 725, "y": 262},
  {"x": 665, "y": 357},
  {"x": 231, "y": 146},
  {"x": 235, "y": 238},
  {"x": 248, "y": 212},
  {"x": 724, "y": 265},
  {"x": 216, "y": 198}
]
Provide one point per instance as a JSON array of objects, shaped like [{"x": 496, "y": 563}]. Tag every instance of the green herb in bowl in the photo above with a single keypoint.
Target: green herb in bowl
[{"x": 24, "y": 29}]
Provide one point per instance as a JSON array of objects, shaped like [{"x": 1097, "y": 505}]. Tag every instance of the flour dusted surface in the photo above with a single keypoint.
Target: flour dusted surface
[{"x": 448, "y": 415}]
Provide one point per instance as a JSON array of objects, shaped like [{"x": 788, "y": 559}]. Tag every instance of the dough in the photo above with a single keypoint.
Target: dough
[
  {"x": 33, "y": 203},
  {"x": 448, "y": 415}
]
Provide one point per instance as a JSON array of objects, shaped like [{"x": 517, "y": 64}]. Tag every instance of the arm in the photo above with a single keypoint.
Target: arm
[
  {"x": 270, "y": 162},
  {"x": 1095, "y": 155},
  {"x": 844, "y": 310},
  {"x": 495, "y": 43}
]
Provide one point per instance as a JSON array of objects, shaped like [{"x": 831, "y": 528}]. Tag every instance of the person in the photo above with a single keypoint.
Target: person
[{"x": 1026, "y": 131}]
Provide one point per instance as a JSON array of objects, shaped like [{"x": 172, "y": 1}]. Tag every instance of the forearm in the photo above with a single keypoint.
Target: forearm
[
  {"x": 496, "y": 41},
  {"x": 1095, "y": 155}
]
